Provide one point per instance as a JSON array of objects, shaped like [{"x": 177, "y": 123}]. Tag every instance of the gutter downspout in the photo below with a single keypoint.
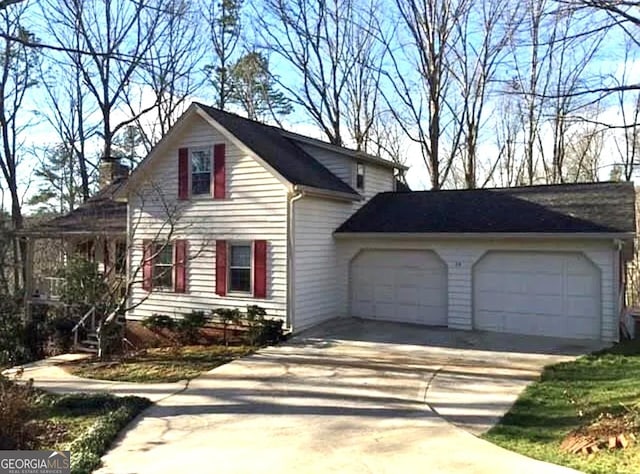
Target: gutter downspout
[{"x": 291, "y": 228}]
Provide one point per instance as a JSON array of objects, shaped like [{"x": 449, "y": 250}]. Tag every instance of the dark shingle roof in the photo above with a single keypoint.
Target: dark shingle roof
[
  {"x": 99, "y": 215},
  {"x": 587, "y": 208},
  {"x": 280, "y": 152}
]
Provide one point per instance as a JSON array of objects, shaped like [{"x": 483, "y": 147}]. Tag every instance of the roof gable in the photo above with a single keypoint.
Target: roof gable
[
  {"x": 576, "y": 208},
  {"x": 280, "y": 152}
]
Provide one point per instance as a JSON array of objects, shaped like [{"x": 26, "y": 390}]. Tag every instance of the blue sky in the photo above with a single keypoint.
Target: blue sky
[{"x": 609, "y": 62}]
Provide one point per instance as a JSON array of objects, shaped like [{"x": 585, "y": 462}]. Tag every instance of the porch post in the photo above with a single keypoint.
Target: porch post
[{"x": 28, "y": 277}]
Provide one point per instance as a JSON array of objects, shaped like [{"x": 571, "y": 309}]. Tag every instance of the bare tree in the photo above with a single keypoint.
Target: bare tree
[
  {"x": 628, "y": 102},
  {"x": 169, "y": 73},
  {"x": 328, "y": 46},
  {"x": 105, "y": 28},
  {"x": 17, "y": 75},
  {"x": 68, "y": 111},
  {"x": 483, "y": 32},
  {"x": 419, "y": 77},
  {"x": 581, "y": 163}
]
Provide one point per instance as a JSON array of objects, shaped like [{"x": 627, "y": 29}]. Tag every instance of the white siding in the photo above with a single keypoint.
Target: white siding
[
  {"x": 314, "y": 265},
  {"x": 340, "y": 165},
  {"x": 255, "y": 208},
  {"x": 460, "y": 255},
  {"x": 377, "y": 179}
]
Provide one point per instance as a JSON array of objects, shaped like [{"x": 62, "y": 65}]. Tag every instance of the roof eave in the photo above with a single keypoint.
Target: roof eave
[
  {"x": 326, "y": 193},
  {"x": 487, "y": 235},
  {"x": 359, "y": 155},
  {"x": 57, "y": 233}
]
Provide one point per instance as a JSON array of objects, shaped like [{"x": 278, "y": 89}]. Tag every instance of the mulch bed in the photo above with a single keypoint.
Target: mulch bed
[{"x": 141, "y": 337}]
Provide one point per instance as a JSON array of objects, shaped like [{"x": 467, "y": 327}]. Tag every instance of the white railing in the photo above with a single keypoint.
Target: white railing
[
  {"x": 49, "y": 288},
  {"x": 89, "y": 317}
]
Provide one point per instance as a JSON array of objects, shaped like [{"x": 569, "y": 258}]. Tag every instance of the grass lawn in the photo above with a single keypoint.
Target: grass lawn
[
  {"x": 85, "y": 424},
  {"x": 572, "y": 395},
  {"x": 167, "y": 364},
  {"x": 62, "y": 419}
]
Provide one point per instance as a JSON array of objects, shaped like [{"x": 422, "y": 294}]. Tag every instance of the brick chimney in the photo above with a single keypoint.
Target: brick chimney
[{"x": 110, "y": 170}]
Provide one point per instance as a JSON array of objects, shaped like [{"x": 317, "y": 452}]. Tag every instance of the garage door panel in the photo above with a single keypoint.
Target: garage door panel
[
  {"x": 399, "y": 285},
  {"x": 537, "y": 293},
  {"x": 581, "y": 284}
]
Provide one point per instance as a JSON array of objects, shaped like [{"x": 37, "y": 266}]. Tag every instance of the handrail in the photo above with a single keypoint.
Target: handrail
[{"x": 91, "y": 313}]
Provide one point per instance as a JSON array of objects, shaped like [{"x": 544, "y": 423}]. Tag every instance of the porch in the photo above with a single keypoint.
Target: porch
[{"x": 91, "y": 242}]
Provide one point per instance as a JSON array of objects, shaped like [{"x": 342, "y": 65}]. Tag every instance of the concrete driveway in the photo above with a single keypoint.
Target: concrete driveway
[{"x": 350, "y": 396}]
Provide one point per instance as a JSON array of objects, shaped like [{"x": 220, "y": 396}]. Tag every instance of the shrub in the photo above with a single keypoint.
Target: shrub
[
  {"x": 188, "y": 327},
  {"x": 16, "y": 406},
  {"x": 156, "y": 322},
  {"x": 13, "y": 335},
  {"x": 227, "y": 316},
  {"x": 59, "y": 329},
  {"x": 84, "y": 286},
  {"x": 262, "y": 331}
]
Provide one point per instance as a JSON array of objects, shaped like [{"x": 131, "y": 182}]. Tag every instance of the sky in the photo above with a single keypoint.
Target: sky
[{"x": 41, "y": 134}]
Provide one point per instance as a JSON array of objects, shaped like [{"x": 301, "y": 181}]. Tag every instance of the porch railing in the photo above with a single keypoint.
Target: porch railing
[
  {"x": 87, "y": 322},
  {"x": 49, "y": 288}
]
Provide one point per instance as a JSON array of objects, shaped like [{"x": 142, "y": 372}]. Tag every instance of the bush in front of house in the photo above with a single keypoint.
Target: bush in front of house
[
  {"x": 227, "y": 316},
  {"x": 261, "y": 330},
  {"x": 157, "y": 322},
  {"x": 87, "y": 449},
  {"x": 16, "y": 406},
  {"x": 189, "y": 326},
  {"x": 59, "y": 329},
  {"x": 255, "y": 327}
]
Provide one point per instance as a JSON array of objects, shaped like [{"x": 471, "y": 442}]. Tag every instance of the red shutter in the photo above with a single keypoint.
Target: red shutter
[
  {"x": 260, "y": 269},
  {"x": 147, "y": 265},
  {"x": 183, "y": 173},
  {"x": 219, "y": 178},
  {"x": 221, "y": 267},
  {"x": 180, "y": 266}
]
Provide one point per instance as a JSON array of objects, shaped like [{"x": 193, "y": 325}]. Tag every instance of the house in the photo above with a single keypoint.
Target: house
[{"x": 227, "y": 212}]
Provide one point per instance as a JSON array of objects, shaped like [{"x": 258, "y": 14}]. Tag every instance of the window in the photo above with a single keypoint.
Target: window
[
  {"x": 200, "y": 171},
  {"x": 163, "y": 266},
  {"x": 240, "y": 268},
  {"x": 121, "y": 257},
  {"x": 360, "y": 175}
]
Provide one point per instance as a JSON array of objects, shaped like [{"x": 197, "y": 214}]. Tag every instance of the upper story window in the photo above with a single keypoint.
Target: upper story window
[
  {"x": 240, "y": 267},
  {"x": 200, "y": 171},
  {"x": 163, "y": 266},
  {"x": 360, "y": 175}
]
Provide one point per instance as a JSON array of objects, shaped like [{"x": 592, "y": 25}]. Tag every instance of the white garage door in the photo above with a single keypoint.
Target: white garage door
[
  {"x": 546, "y": 294},
  {"x": 399, "y": 285}
]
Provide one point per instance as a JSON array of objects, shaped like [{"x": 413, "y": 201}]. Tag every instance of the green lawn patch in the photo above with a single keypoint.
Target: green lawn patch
[
  {"x": 572, "y": 396},
  {"x": 168, "y": 364},
  {"x": 85, "y": 424}
]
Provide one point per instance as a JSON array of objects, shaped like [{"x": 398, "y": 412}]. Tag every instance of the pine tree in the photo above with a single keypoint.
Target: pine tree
[{"x": 253, "y": 88}]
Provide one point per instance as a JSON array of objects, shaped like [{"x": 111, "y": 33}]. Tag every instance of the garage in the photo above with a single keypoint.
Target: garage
[
  {"x": 535, "y": 293},
  {"x": 399, "y": 285}
]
